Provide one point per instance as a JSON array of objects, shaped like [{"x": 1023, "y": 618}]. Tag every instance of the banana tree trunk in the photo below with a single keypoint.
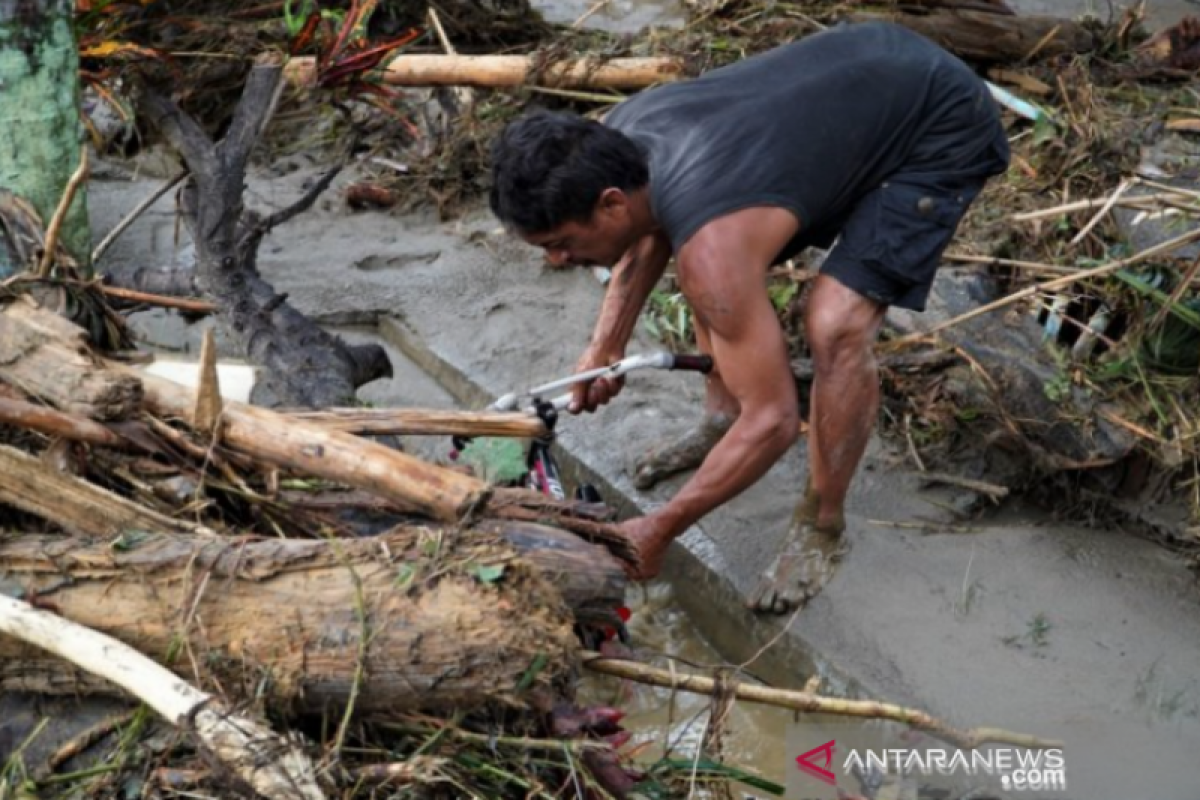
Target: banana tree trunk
[{"x": 40, "y": 127}]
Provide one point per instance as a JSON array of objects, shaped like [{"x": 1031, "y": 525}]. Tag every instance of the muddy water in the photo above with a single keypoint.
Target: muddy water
[
  {"x": 633, "y": 15},
  {"x": 665, "y": 722}
]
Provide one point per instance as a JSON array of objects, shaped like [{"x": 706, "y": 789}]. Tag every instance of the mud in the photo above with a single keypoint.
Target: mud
[{"x": 1023, "y": 622}]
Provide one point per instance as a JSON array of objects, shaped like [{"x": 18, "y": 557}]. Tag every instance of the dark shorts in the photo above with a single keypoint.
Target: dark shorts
[{"x": 891, "y": 243}]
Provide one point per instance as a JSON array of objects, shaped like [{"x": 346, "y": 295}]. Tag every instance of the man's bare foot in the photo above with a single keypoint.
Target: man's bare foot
[
  {"x": 807, "y": 561},
  {"x": 677, "y": 455}
]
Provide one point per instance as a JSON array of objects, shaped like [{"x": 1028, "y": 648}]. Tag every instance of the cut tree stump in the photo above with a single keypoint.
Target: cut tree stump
[
  {"x": 46, "y": 356},
  {"x": 418, "y": 618}
]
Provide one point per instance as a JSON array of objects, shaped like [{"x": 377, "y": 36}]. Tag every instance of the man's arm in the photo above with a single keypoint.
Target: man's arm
[
  {"x": 751, "y": 354},
  {"x": 634, "y": 277}
]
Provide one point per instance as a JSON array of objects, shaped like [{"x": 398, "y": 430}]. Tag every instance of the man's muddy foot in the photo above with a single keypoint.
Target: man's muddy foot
[
  {"x": 681, "y": 454},
  {"x": 808, "y": 560}
]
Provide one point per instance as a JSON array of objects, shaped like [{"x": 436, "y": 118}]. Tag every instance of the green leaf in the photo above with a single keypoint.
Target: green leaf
[
  {"x": 495, "y": 460},
  {"x": 404, "y": 576},
  {"x": 1044, "y": 130},
  {"x": 488, "y": 573},
  {"x": 129, "y": 540},
  {"x": 535, "y": 667}
]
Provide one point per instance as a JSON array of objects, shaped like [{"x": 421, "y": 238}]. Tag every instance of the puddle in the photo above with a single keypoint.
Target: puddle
[{"x": 663, "y": 720}]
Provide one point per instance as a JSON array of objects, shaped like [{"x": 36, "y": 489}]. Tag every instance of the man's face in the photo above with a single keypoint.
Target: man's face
[{"x": 598, "y": 241}]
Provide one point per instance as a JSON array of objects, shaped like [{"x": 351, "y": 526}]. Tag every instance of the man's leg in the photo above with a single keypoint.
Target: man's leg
[
  {"x": 688, "y": 451},
  {"x": 841, "y": 326}
]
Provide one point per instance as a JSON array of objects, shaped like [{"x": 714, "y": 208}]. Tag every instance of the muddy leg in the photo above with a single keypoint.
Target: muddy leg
[
  {"x": 688, "y": 451},
  {"x": 841, "y": 326}
]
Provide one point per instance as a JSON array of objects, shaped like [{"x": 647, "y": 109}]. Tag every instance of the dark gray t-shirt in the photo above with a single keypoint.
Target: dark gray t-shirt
[{"x": 812, "y": 126}]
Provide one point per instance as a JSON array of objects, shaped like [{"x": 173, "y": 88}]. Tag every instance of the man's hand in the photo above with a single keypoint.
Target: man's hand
[
  {"x": 590, "y": 395},
  {"x": 650, "y": 536}
]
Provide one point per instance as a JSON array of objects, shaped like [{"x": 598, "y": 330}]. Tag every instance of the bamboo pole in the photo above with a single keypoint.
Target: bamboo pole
[
  {"x": 509, "y": 71},
  {"x": 813, "y": 703}
]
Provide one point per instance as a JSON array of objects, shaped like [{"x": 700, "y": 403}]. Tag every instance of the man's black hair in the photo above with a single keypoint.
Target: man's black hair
[{"x": 550, "y": 168}]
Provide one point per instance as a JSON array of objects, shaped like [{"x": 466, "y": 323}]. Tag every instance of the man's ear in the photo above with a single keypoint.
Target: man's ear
[{"x": 612, "y": 201}]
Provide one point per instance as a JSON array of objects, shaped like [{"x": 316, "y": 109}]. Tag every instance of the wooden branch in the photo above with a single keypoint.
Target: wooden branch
[
  {"x": 60, "y": 214},
  {"x": 398, "y": 622},
  {"x": 46, "y": 356},
  {"x": 253, "y": 112},
  {"x": 75, "y": 505},
  {"x": 511, "y": 71},
  {"x": 184, "y": 134},
  {"x": 46, "y": 420},
  {"x": 190, "y": 305},
  {"x": 993, "y": 490},
  {"x": 423, "y": 422},
  {"x": 310, "y": 197},
  {"x": 815, "y": 704},
  {"x": 274, "y": 766}
]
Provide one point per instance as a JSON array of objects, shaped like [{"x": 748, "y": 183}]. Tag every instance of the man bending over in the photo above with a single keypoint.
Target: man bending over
[{"x": 867, "y": 135}]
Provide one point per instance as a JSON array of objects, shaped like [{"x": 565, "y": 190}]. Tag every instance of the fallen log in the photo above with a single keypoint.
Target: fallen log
[
  {"x": 991, "y": 37},
  {"x": 75, "y": 505},
  {"x": 310, "y": 449},
  {"x": 46, "y": 356},
  {"x": 418, "y": 618},
  {"x": 261, "y": 434},
  {"x": 273, "y": 765},
  {"x": 508, "y": 71},
  {"x": 417, "y": 421}
]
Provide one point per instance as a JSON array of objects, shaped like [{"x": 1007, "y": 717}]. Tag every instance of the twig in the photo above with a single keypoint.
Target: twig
[
  {"x": 83, "y": 741},
  {"x": 274, "y": 766},
  {"x": 590, "y": 97},
  {"x": 811, "y": 703},
  {"x": 1104, "y": 209},
  {"x": 1085, "y": 205},
  {"x": 1166, "y": 187},
  {"x": 1029, "y": 266},
  {"x": 585, "y": 16},
  {"x": 436, "y": 22},
  {"x": 137, "y": 211},
  {"x": 1057, "y": 283},
  {"x": 992, "y": 490},
  {"x": 181, "y": 303},
  {"x": 60, "y": 213},
  {"x": 912, "y": 445}
]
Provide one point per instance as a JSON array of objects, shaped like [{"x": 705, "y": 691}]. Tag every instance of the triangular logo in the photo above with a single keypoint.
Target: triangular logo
[{"x": 808, "y": 763}]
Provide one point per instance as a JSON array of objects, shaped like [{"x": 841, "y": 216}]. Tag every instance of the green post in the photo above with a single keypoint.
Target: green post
[{"x": 40, "y": 127}]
